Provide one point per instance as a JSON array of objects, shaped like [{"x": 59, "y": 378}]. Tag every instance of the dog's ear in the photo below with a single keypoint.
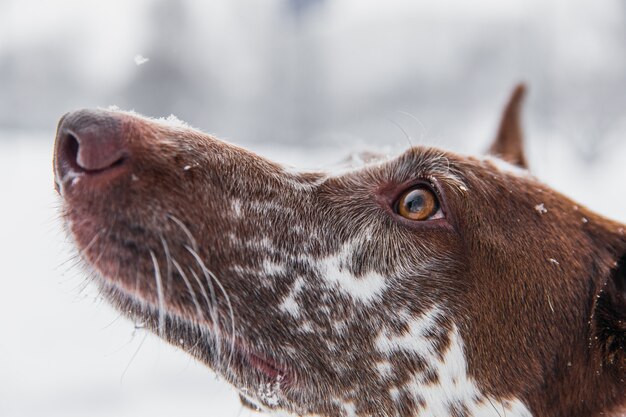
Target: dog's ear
[
  {"x": 610, "y": 318},
  {"x": 509, "y": 143}
]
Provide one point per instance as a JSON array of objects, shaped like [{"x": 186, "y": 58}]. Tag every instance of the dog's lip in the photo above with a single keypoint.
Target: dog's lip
[
  {"x": 266, "y": 366},
  {"x": 270, "y": 369},
  {"x": 71, "y": 178},
  {"x": 242, "y": 351}
]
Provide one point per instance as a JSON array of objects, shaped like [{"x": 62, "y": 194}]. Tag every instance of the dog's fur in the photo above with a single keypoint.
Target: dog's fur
[{"x": 311, "y": 294}]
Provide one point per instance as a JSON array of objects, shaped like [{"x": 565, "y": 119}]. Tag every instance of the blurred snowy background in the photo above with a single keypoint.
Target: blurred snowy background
[{"x": 302, "y": 81}]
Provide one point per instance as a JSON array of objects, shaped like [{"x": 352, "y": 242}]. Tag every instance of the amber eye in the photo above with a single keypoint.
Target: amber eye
[{"x": 418, "y": 203}]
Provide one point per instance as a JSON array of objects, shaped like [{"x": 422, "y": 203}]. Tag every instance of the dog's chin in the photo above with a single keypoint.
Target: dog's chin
[
  {"x": 209, "y": 337},
  {"x": 255, "y": 374}
]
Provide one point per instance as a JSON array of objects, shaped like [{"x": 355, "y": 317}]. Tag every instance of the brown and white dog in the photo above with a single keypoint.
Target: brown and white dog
[{"x": 430, "y": 284}]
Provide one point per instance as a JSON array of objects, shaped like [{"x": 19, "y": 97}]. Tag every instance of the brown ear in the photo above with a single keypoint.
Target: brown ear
[
  {"x": 509, "y": 144},
  {"x": 610, "y": 316}
]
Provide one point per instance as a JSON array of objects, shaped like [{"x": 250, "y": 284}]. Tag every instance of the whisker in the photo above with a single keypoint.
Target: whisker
[
  {"x": 145, "y": 336},
  {"x": 80, "y": 289},
  {"x": 195, "y": 345},
  {"x": 185, "y": 230},
  {"x": 406, "y": 135},
  {"x": 189, "y": 288},
  {"x": 81, "y": 253},
  {"x": 168, "y": 261},
  {"x": 102, "y": 251},
  {"x": 160, "y": 297},
  {"x": 494, "y": 407},
  {"x": 212, "y": 306},
  {"x": 112, "y": 322},
  {"x": 130, "y": 340},
  {"x": 423, "y": 128},
  {"x": 231, "y": 311}
]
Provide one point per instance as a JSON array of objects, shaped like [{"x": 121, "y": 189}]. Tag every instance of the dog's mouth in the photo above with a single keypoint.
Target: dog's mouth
[
  {"x": 268, "y": 367},
  {"x": 258, "y": 375},
  {"x": 274, "y": 380}
]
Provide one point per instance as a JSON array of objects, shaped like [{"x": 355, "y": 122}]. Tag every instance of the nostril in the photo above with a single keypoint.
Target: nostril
[
  {"x": 90, "y": 142},
  {"x": 118, "y": 162},
  {"x": 71, "y": 148}
]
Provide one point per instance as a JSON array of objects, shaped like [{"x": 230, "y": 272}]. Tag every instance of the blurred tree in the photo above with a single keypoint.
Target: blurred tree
[
  {"x": 301, "y": 7},
  {"x": 299, "y": 75}
]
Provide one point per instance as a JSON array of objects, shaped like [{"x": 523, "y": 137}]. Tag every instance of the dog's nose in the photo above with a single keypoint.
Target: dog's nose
[{"x": 89, "y": 142}]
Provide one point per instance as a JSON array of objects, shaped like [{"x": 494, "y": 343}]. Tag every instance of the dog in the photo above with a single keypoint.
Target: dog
[{"x": 428, "y": 284}]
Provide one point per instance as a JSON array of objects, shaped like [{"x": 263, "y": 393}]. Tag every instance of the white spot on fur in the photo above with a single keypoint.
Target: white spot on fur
[
  {"x": 340, "y": 327},
  {"x": 272, "y": 268},
  {"x": 412, "y": 341},
  {"x": 365, "y": 289},
  {"x": 454, "y": 386},
  {"x": 235, "y": 206},
  {"x": 541, "y": 209},
  {"x": 289, "y": 304},
  {"x": 349, "y": 409},
  {"x": 395, "y": 394},
  {"x": 306, "y": 327},
  {"x": 265, "y": 207},
  {"x": 265, "y": 244},
  {"x": 268, "y": 392},
  {"x": 384, "y": 369}
]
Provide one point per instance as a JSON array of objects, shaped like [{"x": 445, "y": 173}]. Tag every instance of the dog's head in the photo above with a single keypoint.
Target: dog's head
[{"x": 426, "y": 284}]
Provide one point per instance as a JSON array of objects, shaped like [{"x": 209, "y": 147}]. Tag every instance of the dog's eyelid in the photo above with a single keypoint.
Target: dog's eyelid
[{"x": 437, "y": 186}]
